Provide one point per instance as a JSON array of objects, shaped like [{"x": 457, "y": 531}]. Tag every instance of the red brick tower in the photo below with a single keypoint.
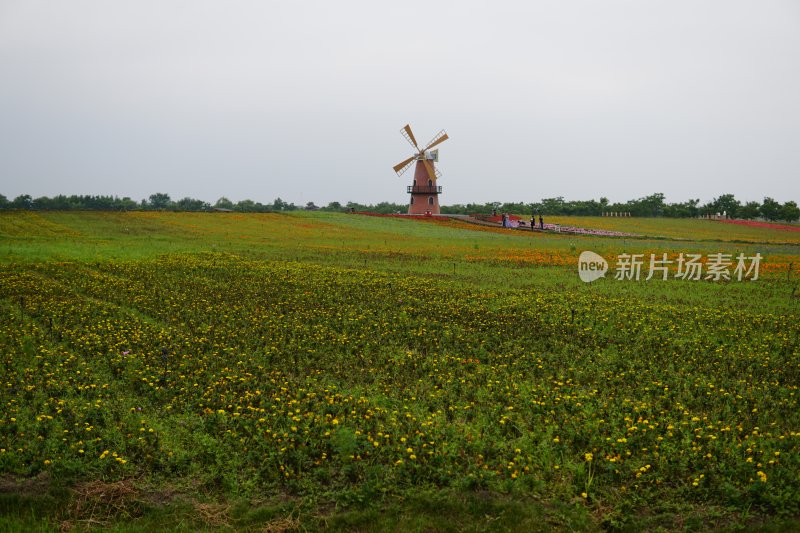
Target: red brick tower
[{"x": 424, "y": 191}]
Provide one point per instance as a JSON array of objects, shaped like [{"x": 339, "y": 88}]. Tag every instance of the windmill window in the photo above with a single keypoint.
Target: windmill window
[
  {"x": 430, "y": 183},
  {"x": 430, "y": 200},
  {"x": 412, "y": 199}
]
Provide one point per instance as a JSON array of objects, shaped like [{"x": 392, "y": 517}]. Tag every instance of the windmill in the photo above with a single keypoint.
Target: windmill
[{"x": 424, "y": 191}]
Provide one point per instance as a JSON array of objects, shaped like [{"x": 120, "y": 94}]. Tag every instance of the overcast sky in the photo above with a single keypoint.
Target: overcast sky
[{"x": 305, "y": 100}]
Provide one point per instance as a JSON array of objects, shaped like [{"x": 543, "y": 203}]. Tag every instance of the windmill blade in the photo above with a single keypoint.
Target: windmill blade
[
  {"x": 402, "y": 167},
  {"x": 438, "y": 139},
  {"x": 406, "y": 131},
  {"x": 429, "y": 168}
]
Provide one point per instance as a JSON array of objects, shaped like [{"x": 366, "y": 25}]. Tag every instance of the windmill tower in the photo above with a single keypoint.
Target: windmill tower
[{"x": 424, "y": 191}]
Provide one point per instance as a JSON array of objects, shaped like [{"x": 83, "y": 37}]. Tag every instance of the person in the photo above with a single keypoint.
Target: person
[
  {"x": 533, "y": 222},
  {"x": 541, "y": 222},
  {"x": 505, "y": 220}
]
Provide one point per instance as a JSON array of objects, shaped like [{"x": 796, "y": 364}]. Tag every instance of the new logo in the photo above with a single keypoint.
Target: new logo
[{"x": 591, "y": 266}]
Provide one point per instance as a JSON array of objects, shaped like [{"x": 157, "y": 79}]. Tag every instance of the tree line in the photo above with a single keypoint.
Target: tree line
[
  {"x": 649, "y": 206},
  {"x": 653, "y": 205}
]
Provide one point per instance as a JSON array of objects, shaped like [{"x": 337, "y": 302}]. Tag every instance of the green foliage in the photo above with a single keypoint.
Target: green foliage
[
  {"x": 724, "y": 204},
  {"x": 749, "y": 211},
  {"x": 224, "y": 203},
  {"x": 653, "y": 205},
  {"x": 190, "y": 204},
  {"x": 770, "y": 209},
  {"x": 790, "y": 212},
  {"x": 159, "y": 201}
]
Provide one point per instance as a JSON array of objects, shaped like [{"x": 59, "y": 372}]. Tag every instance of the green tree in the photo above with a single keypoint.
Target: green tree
[
  {"x": 224, "y": 203},
  {"x": 652, "y": 205},
  {"x": 790, "y": 212},
  {"x": 191, "y": 204},
  {"x": 770, "y": 209},
  {"x": 23, "y": 201},
  {"x": 749, "y": 211},
  {"x": 280, "y": 205},
  {"x": 160, "y": 200},
  {"x": 246, "y": 206},
  {"x": 726, "y": 204},
  {"x": 552, "y": 206},
  {"x": 127, "y": 204},
  {"x": 43, "y": 202}
]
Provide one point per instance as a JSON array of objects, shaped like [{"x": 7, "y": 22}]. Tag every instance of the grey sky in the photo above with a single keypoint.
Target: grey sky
[{"x": 305, "y": 100}]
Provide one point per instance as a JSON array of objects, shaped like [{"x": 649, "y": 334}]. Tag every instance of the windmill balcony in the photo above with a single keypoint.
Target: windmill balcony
[{"x": 424, "y": 189}]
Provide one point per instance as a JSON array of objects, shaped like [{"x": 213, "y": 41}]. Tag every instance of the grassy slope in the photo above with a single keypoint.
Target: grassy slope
[
  {"x": 682, "y": 228},
  {"x": 495, "y": 257},
  {"x": 469, "y": 256},
  {"x": 63, "y": 235}
]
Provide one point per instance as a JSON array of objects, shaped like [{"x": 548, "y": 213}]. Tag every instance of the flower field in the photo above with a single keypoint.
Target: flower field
[
  {"x": 359, "y": 361},
  {"x": 690, "y": 229}
]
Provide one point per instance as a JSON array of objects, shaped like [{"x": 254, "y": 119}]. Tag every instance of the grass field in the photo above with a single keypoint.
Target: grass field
[{"x": 326, "y": 371}]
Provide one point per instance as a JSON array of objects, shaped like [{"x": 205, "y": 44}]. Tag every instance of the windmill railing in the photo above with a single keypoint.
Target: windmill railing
[{"x": 424, "y": 189}]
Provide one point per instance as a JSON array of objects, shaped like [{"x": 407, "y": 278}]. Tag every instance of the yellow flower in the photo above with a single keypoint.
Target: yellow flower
[
  {"x": 762, "y": 476},
  {"x": 588, "y": 457}
]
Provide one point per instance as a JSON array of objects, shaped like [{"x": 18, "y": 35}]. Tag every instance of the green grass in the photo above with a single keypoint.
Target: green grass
[
  {"x": 239, "y": 370},
  {"x": 683, "y": 229},
  {"x": 38, "y": 236}
]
